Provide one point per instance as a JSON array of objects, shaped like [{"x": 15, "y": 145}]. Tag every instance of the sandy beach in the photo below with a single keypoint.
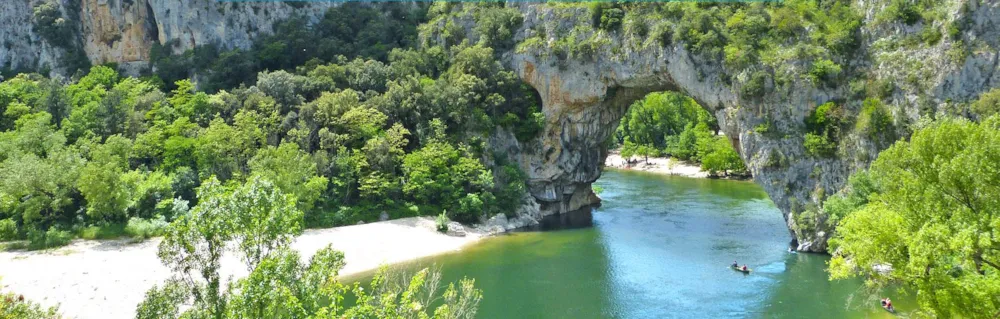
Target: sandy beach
[
  {"x": 659, "y": 165},
  {"x": 107, "y": 279}
]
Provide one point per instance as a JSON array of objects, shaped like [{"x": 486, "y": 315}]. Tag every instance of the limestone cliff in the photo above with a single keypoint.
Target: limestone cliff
[
  {"x": 124, "y": 31},
  {"x": 584, "y": 95}
]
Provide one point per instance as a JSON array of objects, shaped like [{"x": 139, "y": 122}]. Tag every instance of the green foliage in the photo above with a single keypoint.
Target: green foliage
[
  {"x": 441, "y": 222},
  {"x": 674, "y": 124},
  {"x": 351, "y": 30},
  {"x": 145, "y": 228},
  {"x": 824, "y": 130},
  {"x": 819, "y": 145},
  {"x": 824, "y": 71},
  {"x": 8, "y": 229},
  {"x": 929, "y": 214},
  {"x": 261, "y": 222},
  {"x": 15, "y": 306},
  {"x": 496, "y": 26},
  {"x": 651, "y": 120},
  {"x": 51, "y": 238},
  {"x": 756, "y": 86},
  {"x": 722, "y": 158},
  {"x": 988, "y": 104},
  {"x": 875, "y": 120},
  {"x": 904, "y": 11}
]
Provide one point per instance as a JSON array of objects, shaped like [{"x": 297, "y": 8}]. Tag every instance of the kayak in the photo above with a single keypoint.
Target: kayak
[
  {"x": 740, "y": 269},
  {"x": 890, "y": 310}
]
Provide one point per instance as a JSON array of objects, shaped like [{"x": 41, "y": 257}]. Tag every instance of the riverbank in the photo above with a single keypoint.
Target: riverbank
[
  {"x": 108, "y": 278},
  {"x": 659, "y": 165}
]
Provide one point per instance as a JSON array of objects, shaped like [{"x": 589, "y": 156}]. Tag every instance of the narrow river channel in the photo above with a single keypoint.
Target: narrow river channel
[{"x": 658, "y": 247}]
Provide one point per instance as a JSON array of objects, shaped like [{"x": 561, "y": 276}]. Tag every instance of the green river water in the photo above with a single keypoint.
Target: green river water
[{"x": 658, "y": 247}]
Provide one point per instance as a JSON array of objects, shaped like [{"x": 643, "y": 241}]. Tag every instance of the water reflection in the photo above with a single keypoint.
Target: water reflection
[{"x": 658, "y": 247}]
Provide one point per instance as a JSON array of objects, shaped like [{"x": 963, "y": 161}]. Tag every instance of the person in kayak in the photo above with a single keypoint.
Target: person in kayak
[
  {"x": 886, "y": 303},
  {"x": 735, "y": 265},
  {"x": 744, "y": 267}
]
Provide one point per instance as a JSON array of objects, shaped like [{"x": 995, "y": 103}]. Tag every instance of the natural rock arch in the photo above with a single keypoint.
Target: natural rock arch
[{"x": 585, "y": 95}]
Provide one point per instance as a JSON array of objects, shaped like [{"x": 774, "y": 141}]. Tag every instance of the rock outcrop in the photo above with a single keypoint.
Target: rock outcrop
[
  {"x": 584, "y": 98},
  {"x": 124, "y": 31}
]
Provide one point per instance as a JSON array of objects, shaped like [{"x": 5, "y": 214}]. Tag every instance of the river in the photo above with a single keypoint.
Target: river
[{"x": 658, "y": 247}]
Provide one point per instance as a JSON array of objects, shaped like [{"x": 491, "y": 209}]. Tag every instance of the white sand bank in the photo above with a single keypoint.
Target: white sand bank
[
  {"x": 107, "y": 279},
  {"x": 660, "y": 165}
]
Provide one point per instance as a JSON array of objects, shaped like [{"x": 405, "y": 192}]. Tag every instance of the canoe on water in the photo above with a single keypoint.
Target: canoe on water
[
  {"x": 890, "y": 310},
  {"x": 740, "y": 269}
]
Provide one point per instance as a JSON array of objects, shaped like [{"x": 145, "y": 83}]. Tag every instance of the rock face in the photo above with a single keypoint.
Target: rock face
[
  {"x": 584, "y": 98},
  {"x": 124, "y": 31}
]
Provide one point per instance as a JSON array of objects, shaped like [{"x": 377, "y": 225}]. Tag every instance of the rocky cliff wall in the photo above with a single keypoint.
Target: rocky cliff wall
[
  {"x": 585, "y": 96},
  {"x": 124, "y": 31}
]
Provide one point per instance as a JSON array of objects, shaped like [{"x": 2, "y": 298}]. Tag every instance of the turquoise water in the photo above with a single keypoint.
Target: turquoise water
[{"x": 658, "y": 247}]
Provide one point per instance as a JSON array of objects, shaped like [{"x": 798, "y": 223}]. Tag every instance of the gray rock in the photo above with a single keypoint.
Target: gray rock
[
  {"x": 383, "y": 216},
  {"x": 456, "y": 229}
]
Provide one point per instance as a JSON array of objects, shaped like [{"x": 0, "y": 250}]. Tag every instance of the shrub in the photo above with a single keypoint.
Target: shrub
[
  {"x": 442, "y": 222},
  {"x": 756, "y": 86},
  {"x": 145, "y": 228},
  {"x": 663, "y": 32},
  {"x": 930, "y": 35},
  {"x": 824, "y": 71},
  {"x": 819, "y": 146},
  {"x": 8, "y": 230},
  {"x": 874, "y": 119},
  {"x": 902, "y": 11},
  {"x": 52, "y": 238},
  {"x": 15, "y": 306},
  {"x": 775, "y": 159},
  {"x": 987, "y": 104}
]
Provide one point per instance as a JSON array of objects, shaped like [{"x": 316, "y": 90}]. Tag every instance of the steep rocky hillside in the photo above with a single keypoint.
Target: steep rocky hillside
[
  {"x": 806, "y": 94},
  {"x": 124, "y": 31}
]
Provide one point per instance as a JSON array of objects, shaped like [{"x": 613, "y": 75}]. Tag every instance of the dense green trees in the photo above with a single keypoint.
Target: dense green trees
[
  {"x": 257, "y": 221},
  {"x": 352, "y": 30},
  {"x": 925, "y": 216},
  {"x": 672, "y": 124},
  {"x": 403, "y": 134}
]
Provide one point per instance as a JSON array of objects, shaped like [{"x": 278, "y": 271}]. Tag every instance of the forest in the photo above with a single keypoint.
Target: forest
[
  {"x": 671, "y": 124},
  {"x": 375, "y": 130},
  {"x": 386, "y": 111}
]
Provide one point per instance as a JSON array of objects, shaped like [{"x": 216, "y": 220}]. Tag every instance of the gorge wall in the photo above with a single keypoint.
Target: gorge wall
[
  {"x": 585, "y": 93},
  {"x": 124, "y": 31}
]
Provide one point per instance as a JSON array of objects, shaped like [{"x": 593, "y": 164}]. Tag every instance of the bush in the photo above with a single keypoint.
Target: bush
[
  {"x": 15, "y": 306},
  {"x": 987, "y": 104},
  {"x": 819, "y": 146},
  {"x": 442, "y": 222},
  {"x": 52, "y": 238},
  {"x": 756, "y": 86},
  {"x": 8, "y": 230},
  {"x": 663, "y": 32},
  {"x": 824, "y": 71},
  {"x": 874, "y": 119},
  {"x": 902, "y": 11},
  {"x": 145, "y": 228}
]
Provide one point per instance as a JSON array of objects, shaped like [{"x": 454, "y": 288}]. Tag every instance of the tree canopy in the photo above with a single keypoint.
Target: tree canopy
[{"x": 925, "y": 215}]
